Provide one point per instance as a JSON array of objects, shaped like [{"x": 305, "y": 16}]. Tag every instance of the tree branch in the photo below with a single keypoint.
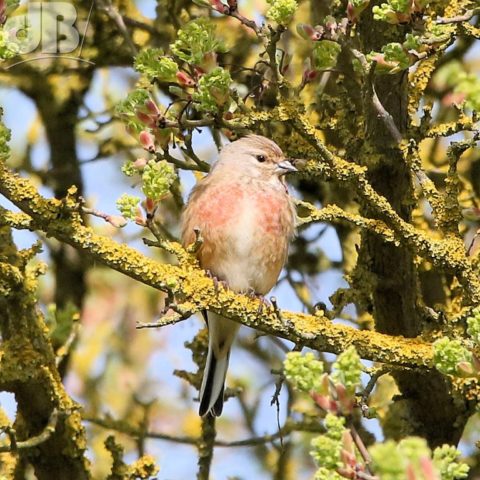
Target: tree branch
[{"x": 192, "y": 287}]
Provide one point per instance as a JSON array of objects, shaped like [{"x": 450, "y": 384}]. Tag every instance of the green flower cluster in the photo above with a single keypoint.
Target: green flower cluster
[
  {"x": 446, "y": 460},
  {"x": 335, "y": 426},
  {"x": 390, "y": 460},
  {"x": 326, "y": 449},
  {"x": 395, "y": 52},
  {"x": 8, "y": 49},
  {"x": 473, "y": 326},
  {"x": 127, "y": 205},
  {"x": 127, "y": 109},
  {"x": 213, "y": 91},
  {"x": 304, "y": 372},
  {"x": 449, "y": 355},
  {"x": 326, "y": 453},
  {"x": 281, "y": 11},
  {"x": 394, "y": 57},
  {"x": 157, "y": 178},
  {"x": 347, "y": 369},
  {"x": 128, "y": 169},
  {"x": 394, "y": 11},
  {"x": 325, "y": 54},
  {"x": 195, "y": 40},
  {"x": 154, "y": 65}
]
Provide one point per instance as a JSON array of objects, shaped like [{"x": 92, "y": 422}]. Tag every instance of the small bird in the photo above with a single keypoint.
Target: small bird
[{"x": 246, "y": 218}]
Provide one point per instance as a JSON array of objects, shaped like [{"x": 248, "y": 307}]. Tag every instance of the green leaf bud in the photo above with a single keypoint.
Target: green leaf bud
[
  {"x": 304, "y": 372},
  {"x": 154, "y": 65},
  {"x": 195, "y": 41},
  {"x": 347, "y": 369},
  {"x": 157, "y": 178},
  {"x": 447, "y": 354},
  {"x": 281, "y": 11},
  {"x": 127, "y": 205},
  {"x": 446, "y": 460},
  {"x": 213, "y": 92},
  {"x": 325, "y": 54}
]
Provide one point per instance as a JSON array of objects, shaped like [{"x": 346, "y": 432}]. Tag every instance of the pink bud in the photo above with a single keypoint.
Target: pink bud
[
  {"x": 139, "y": 220},
  {"x": 152, "y": 107},
  {"x": 307, "y": 32},
  {"x": 310, "y": 75},
  {"x": 465, "y": 369},
  {"x": 474, "y": 245},
  {"x": 286, "y": 63},
  {"x": 148, "y": 206},
  {"x": 140, "y": 163},
  {"x": 348, "y": 458},
  {"x": 453, "y": 98},
  {"x": 219, "y": 6},
  {"x": 324, "y": 402},
  {"x": 476, "y": 363},
  {"x": 145, "y": 119},
  {"x": 147, "y": 141},
  {"x": 428, "y": 469},
  {"x": 184, "y": 79},
  {"x": 410, "y": 473},
  {"x": 344, "y": 398},
  {"x": 351, "y": 12}
]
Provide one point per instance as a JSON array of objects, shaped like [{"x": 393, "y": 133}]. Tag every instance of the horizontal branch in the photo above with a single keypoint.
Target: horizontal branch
[
  {"x": 128, "y": 429},
  {"x": 190, "y": 285},
  {"x": 334, "y": 214}
]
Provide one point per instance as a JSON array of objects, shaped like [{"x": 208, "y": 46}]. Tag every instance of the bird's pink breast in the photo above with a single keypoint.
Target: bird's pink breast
[{"x": 223, "y": 204}]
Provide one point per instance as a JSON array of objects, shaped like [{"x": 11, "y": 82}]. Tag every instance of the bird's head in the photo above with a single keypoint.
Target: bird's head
[{"x": 256, "y": 157}]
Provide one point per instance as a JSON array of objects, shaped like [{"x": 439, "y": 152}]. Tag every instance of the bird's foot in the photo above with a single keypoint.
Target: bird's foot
[
  {"x": 217, "y": 283},
  {"x": 264, "y": 302}
]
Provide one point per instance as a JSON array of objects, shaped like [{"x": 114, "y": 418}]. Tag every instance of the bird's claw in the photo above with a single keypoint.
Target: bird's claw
[
  {"x": 217, "y": 283},
  {"x": 264, "y": 302}
]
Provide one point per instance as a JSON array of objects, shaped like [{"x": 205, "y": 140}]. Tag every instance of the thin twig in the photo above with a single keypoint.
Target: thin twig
[
  {"x": 380, "y": 109},
  {"x": 468, "y": 15},
  {"x": 361, "y": 447},
  {"x": 45, "y": 434},
  {"x": 115, "y": 16},
  {"x": 116, "y": 220},
  {"x": 64, "y": 350}
]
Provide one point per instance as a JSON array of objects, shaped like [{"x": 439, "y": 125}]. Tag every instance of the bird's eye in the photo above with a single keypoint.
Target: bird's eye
[{"x": 261, "y": 158}]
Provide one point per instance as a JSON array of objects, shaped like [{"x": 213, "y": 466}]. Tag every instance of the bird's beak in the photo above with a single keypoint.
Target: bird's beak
[{"x": 286, "y": 167}]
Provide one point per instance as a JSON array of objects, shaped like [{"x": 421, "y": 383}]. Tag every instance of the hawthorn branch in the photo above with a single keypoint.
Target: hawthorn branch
[{"x": 192, "y": 286}]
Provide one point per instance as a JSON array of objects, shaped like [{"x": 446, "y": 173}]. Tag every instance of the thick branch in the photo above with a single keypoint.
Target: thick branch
[{"x": 193, "y": 287}]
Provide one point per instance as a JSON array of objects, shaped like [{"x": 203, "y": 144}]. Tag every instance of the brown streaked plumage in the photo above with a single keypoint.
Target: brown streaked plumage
[{"x": 246, "y": 218}]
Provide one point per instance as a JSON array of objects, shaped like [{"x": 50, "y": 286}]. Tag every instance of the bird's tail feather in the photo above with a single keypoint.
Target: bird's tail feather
[{"x": 213, "y": 383}]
